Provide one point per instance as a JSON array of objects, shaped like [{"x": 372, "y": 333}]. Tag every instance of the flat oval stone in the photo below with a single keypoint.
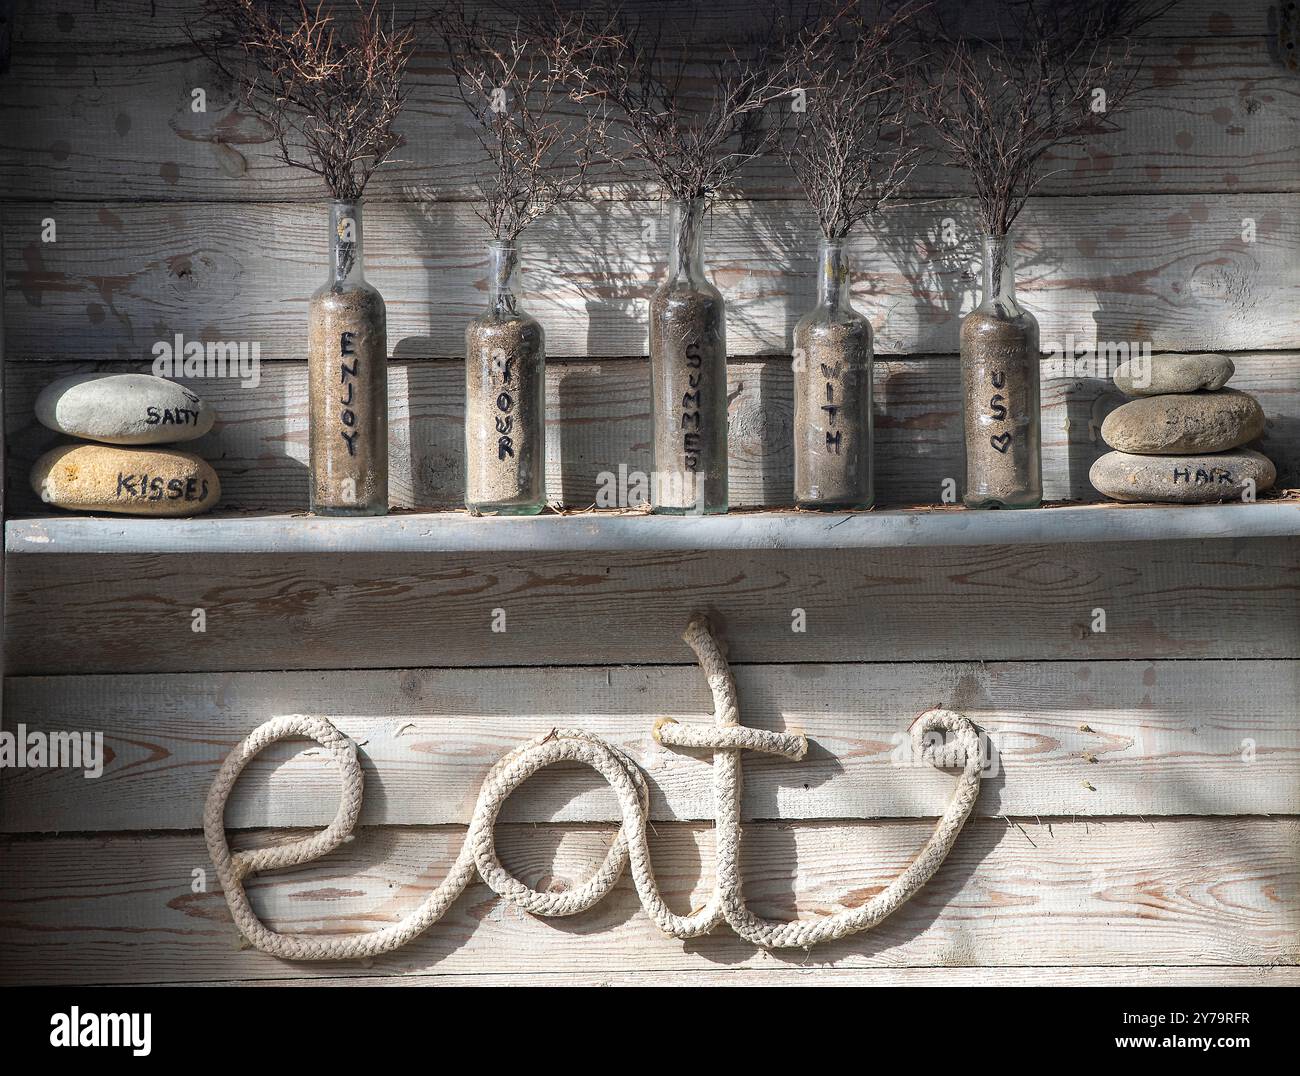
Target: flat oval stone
[
  {"x": 1202, "y": 479},
  {"x": 1184, "y": 424},
  {"x": 123, "y": 409},
  {"x": 1161, "y": 374},
  {"x": 136, "y": 481}
]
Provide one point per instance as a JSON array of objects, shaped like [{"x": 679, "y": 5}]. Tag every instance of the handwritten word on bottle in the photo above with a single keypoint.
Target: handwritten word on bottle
[
  {"x": 505, "y": 421},
  {"x": 347, "y": 396},
  {"x": 998, "y": 412},
  {"x": 834, "y": 437},
  {"x": 691, "y": 415}
]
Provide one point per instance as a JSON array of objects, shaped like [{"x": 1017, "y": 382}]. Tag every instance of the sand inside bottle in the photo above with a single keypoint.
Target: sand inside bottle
[
  {"x": 505, "y": 432},
  {"x": 348, "y": 402},
  {"x": 832, "y": 419},
  {"x": 999, "y": 360},
  {"x": 688, "y": 355}
]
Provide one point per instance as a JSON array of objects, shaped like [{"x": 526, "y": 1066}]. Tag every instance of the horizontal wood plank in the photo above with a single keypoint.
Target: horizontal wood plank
[
  {"x": 1124, "y": 892},
  {"x": 598, "y": 417},
  {"x": 1064, "y": 738},
  {"x": 829, "y": 976},
  {"x": 99, "y": 105},
  {"x": 634, "y": 530},
  {"x": 1230, "y": 598},
  {"x": 1172, "y": 271}
]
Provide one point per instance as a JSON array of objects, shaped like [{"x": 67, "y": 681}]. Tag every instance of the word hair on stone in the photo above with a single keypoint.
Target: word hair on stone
[{"x": 726, "y": 737}]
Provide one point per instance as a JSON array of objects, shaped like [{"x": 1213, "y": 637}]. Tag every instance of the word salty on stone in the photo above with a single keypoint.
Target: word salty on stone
[
  {"x": 123, "y": 409},
  {"x": 133, "y": 481}
]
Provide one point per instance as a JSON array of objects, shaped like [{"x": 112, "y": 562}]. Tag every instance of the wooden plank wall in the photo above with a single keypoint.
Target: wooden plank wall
[
  {"x": 175, "y": 222},
  {"x": 1140, "y": 821}
]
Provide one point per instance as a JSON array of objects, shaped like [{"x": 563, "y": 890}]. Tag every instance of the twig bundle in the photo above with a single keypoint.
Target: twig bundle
[
  {"x": 1051, "y": 73},
  {"x": 329, "y": 90},
  {"x": 693, "y": 133},
  {"x": 539, "y": 152},
  {"x": 853, "y": 148}
]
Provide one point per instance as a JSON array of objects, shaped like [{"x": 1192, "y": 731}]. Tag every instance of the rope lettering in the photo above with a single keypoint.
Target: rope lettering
[{"x": 726, "y": 737}]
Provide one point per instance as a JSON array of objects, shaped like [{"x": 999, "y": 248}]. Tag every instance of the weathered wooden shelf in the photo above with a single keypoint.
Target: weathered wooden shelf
[{"x": 456, "y": 532}]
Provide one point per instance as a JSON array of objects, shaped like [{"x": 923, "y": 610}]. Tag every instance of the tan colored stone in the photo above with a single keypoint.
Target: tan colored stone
[
  {"x": 1185, "y": 424},
  {"x": 1219, "y": 476},
  {"x": 134, "y": 481}
]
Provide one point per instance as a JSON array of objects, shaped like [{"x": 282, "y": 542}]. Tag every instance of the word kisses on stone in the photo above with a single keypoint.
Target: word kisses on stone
[
  {"x": 123, "y": 409},
  {"x": 133, "y": 481},
  {"x": 726, "y": 737}
]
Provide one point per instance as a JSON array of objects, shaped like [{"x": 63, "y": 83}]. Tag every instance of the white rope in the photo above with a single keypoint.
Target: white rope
[{"x": 726, "y": 737}]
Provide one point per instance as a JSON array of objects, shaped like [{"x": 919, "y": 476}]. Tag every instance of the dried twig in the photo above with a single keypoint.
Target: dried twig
[
  {"x": 694, "y": 134},
  {"x": 1000, "y": 101},
  {"x": 853, "y": 147},
  {"x": 329, "y": 89},
  {"x": 540, "y": 155}
]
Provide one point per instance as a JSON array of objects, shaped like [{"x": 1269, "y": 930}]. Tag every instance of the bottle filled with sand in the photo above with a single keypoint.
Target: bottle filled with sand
[
  {"x": 832, "y": 394},
  {"x": 688, "y": 376},
  {"x": 1000, "y": 387},
  {"x": 505, "y": 398},
  {"x": 347, "y": 380}
]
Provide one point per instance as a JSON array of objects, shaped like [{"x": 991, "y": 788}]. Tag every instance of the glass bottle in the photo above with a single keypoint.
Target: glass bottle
[
  {"x": 505, "y": 398},
  {"x": 999, "y": 364},
  {"x": 347, "y": 380},
  {"x": 688, "y": 376},
  {"x": 832, "y": 394}
]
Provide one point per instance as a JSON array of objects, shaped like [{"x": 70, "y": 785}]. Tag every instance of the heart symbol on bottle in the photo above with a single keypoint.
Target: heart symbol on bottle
[{"x": 1001, "y": 442}]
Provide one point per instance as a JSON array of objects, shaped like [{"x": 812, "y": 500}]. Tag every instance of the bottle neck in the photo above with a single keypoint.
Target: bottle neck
[
  {"x": 503, "y": 278},
  {"x": 345, "y": 244},
  {"x": 686, "y": 243},
  {"x": 833, "y": 276},
  {"x": 1000, "y": 274}
]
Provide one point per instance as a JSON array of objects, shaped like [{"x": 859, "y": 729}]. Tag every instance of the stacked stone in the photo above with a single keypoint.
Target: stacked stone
[
  {"x": 1180, "y": 440},
  {"x": 122, "y": 413}
]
